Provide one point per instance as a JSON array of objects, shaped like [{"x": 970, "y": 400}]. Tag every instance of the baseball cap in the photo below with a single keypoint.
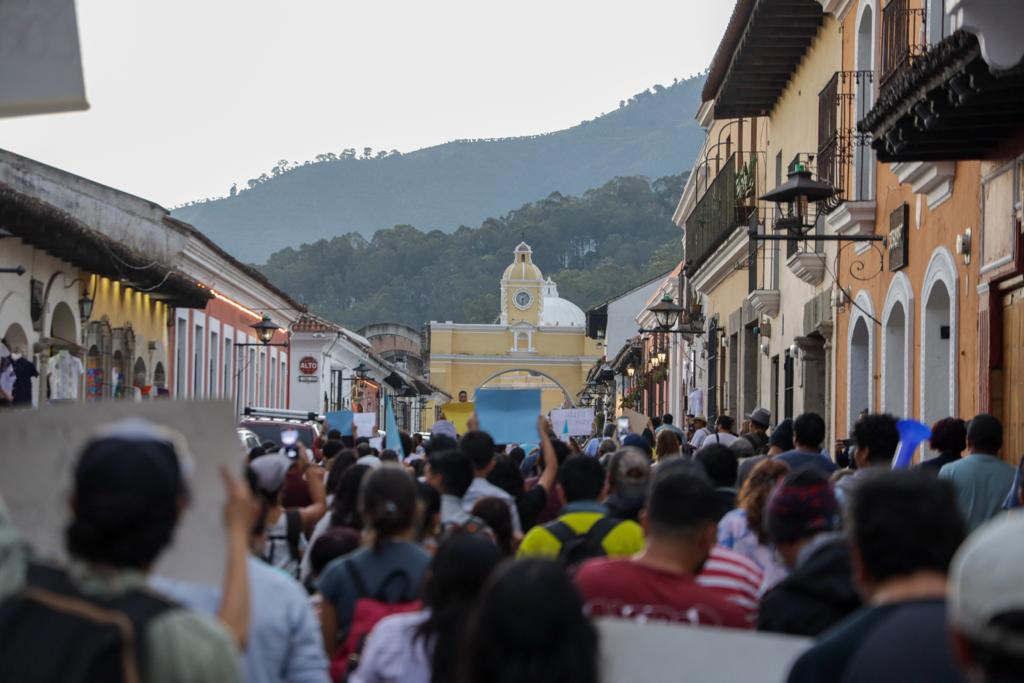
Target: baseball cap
[
  {"x": 135, "y": 454},
  {"x": 782, "y": 435},
  {"x": 985, "y": 583},
  {"x": 270, "y": 471},
  {"x": 443, "y": 428},
  {"x": 761, "y": 416},
  {"x": 630, "y": 469}
]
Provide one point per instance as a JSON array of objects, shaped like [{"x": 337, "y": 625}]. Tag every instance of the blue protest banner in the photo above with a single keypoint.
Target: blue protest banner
[
  {"x": 340, "y": 420},
  {"x": 394, "y": 440},
  {"x": 509, "y": 415}
]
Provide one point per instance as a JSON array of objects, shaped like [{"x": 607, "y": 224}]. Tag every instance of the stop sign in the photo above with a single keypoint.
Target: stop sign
[{"x": 308, "y": 365}]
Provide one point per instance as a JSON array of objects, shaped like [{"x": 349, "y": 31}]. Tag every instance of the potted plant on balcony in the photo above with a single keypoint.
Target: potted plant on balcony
[{"x": 746, "y": 181}]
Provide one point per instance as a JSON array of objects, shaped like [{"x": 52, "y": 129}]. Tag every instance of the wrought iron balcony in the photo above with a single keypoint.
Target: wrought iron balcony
[
  {"x": 717, "y": 214},
  {"x": 903, "y": 38},
  {"x": 839, "y": 105}
]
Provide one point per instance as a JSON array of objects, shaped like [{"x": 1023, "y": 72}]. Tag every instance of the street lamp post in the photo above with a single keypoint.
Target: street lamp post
[{"x": 265, "y": 331}]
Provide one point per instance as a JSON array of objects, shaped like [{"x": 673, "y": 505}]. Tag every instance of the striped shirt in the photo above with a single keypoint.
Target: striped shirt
[{"x": 734, "y": 577}]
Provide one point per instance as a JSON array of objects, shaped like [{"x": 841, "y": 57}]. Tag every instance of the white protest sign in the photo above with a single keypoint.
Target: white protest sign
[
  {"x": 365, "y": 424},
  {"x": 377, "y": 442},
  {"x": 653, "y": 652},
  {"x": 580, "y": 421},
  {"x": 41, "y": 448}
]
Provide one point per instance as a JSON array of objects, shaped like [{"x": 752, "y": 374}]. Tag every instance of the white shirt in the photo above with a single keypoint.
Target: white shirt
[
  {"x": 696, "y": 401},
  {"x": 481, "y": 488},
  {"x": 65, "y": 372},
  {"x": 393, "y": 653},
  {"x": 723, "y": 438},
  {"x": 697, "y": 440}
]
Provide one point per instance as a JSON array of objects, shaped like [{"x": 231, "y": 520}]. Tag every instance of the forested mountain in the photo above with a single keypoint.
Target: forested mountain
[
  {"x": 594, "y": 246},
  {"x": 463, "y": 182}
]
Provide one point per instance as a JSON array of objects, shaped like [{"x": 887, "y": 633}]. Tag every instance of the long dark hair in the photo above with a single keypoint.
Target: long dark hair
[
  {"x": 457, "y": 575},
  {"x": 345, "y": 507},
  {"x": 387, "y": 503},
  {"x": 528, "y": 625}
]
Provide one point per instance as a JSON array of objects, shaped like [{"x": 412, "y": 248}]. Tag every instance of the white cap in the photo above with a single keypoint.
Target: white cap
[
  {"x": 985, "y": 582},
  {"x": 371, "y": 461}
]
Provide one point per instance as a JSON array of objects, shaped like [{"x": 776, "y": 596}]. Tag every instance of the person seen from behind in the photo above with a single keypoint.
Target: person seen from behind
[
  {"x": 668, "y": 445},
  {"x": 629, "y": 474},
  {"x": 423, "y": 646},
  {"x": 802, "y": 519},
  {"x": 875, "y": 438},
  {"x": 982, "y": 479},
  {"x": 660, "y": 582},
  {"x": 904, "y": 531},
  {"x": 948, "y": 439},
  {"x": 96, "y": 618},
  {"x": 529, "y": 625},
  {"x": 478, "y": 446},
  {"x": 743, "y": 530},
  {"x": 808, "y": 436},
  {"x": 584, "y": 528},
  {"x": 721, "y": 465}
]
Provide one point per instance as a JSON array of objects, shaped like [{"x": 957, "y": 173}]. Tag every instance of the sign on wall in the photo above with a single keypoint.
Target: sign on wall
[{"x": 899, "y": 233}]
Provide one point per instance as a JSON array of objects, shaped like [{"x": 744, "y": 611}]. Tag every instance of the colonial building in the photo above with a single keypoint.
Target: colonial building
[{"x": 539, "y": 340}]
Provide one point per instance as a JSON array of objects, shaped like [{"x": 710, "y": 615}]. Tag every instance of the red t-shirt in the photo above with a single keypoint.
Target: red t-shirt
[
  {"x": 734, "y": 577},
  {"x": 621, "y": 587}
]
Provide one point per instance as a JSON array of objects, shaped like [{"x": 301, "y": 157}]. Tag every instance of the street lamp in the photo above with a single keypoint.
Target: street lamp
[
  {"x": 85, "y": 307},
  {"x": 361, "y": 370},
  {"x": 662, "y": 356},
  {"x": 666, "y": 312},
  {"x": 793, "y": 198},
  {"x": 265, "y": 329},
  {"x": 630, "y": 371}
]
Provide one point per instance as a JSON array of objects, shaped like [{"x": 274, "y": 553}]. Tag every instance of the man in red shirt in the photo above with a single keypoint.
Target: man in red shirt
[{"x": 660, "y": 583}]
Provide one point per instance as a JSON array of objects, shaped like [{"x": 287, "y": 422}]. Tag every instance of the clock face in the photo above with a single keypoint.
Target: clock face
[{"x": 523, "y": 299}]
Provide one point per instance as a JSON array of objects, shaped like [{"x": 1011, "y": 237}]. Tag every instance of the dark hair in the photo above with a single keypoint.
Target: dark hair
[
  {"x": 655, "y": 421},
  {"x": 949, "y": 435},
  {"x": 682, "y": 500},
  {"x": 388, "y": 455},
  {"x": 269, "y": 446},
  {"x": 255, "y": 452},
  {"x": 905, "y": 521},
  {"x": 809, "y": 430},
  {"x": 440, "y": 442},
  {"x": 455, "y": 470},
  {"x": 754, "y": 494},
  {"x": 478, "y": 447},
  {"x": 518, "y": 455},
  {"x": 985, "y": 433},
  {"x": 417, "y": 465},
  {"x": 667, "y": 418},
  {"x": 345, "y": 507},
  {"x": 506, "y": 476},
  {"x": 457, "y": 574},
  {"x": 562, "y": 452},
  {"x": 387, "y": 502},
  {"x": 332, "y": 543},
  {"x": 331, "y": 449},
  {"x": 333, "y": 435},
  {"x": 720, "y": 462},
  {"x": 363, "y": 449},
  {"x": 495, "y": 512},
  {"x": 342, "y": 461},
  {"x": 126, "y": 502},
  {"x": 529, "y": 625},
  {"x": 667, "y": 442},
  {"x": 725, "y": 422},
  {"x": 582, "y": 478},
  {"x": 879, "y": 435},
  {"x": 431, "y": 501}
]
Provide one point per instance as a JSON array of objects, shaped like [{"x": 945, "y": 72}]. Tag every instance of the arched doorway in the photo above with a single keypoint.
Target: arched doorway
[
  {"x": 859, "y": 380},
  {"x": 937, "y": 373},
  {"x": 159, "y": 376},
  {"x": 117, "y": 378},
  {"x": 139, "y": 378},
  {"x": 863, "y": 162},
  {"x": 527, "y": 377},
  {"x": 894, "y": 389},
  {"x": 64, "y": 324}
]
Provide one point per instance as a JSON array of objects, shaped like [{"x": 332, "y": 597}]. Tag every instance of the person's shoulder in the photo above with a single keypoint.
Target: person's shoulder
[
  {"x": 184, "y": 645},
  {"x": 603, "y": 569},
  {"x": 265, "y": 577},
  {"x": 396, "y": 624}
]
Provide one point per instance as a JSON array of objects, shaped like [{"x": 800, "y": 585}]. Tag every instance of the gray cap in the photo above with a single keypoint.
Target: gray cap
[
  {"x": 761, "y": 416},
  {"x": 443, "y": 428},
  {"x": 630, "y": 470},
  {"x": 984, "y": 583},
  {"x": 270, "y": 471}
]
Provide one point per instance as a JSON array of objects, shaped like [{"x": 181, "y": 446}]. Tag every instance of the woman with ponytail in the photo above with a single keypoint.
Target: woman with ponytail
[{"x": 387, "y": 570}]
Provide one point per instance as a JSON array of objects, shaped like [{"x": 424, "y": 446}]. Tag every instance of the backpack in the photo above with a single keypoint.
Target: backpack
[
  {"x": 579, "y": 547},
  {"x": 368, "y": 610},
  {"x": 54, "y": 633},
  {"x": 292, "y": 537}
]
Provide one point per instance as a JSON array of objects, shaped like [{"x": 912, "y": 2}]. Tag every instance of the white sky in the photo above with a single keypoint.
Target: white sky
[{"x": 191, "y": 95}]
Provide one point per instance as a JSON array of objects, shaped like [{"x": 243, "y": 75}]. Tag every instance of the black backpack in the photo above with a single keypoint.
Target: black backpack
[
  {"x": 52, "y": 633},
  {"x": 579, "y": 547}
]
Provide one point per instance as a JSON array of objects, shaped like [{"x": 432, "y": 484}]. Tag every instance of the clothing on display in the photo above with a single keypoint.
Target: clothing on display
[
  {"x": 24, "y": 371},
  {"x": 65, "y": 374},
  {"x": 696, "y": 401}
]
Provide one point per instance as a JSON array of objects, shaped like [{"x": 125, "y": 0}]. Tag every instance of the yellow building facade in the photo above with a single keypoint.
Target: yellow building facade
[{"x": 539, "y": 341}]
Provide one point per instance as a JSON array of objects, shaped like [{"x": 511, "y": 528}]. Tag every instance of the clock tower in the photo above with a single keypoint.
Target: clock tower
[{"x": 522, "y": 289}]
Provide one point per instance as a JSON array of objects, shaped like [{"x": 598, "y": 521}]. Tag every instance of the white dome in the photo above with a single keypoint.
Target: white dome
[{"x": 558, "y": 312}]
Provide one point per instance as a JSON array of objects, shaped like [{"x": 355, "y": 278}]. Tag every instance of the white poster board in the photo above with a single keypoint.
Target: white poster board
[
  {"x": 655, "y": 652},
  {"x": 365, "y": 424},
  {"x": 580, "y": 421},
  {"x": 40, "y": 448},
  {"x": 40, "y": 62}
]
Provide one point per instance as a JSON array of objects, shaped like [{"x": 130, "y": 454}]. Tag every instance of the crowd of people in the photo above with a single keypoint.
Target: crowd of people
[{"x": 455, "y": 559}]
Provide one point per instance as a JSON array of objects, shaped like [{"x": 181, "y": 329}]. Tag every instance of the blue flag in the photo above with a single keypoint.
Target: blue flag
[
  {"x": 912, "y": 433},
  {"x": 391, "y": 430}
]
